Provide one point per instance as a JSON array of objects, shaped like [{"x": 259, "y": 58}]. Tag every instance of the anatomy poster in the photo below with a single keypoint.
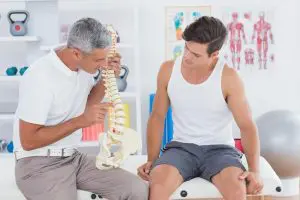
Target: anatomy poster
[
  {"x": 177, "y": 18},
  {"x": 250, "y": 42}
]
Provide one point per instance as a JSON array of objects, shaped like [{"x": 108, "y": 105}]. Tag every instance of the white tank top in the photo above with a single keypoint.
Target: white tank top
[{"x": 199, "y": 111}]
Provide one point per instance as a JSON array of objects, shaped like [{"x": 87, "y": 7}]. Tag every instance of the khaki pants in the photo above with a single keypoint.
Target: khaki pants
[{"x": 57, "y": 178}]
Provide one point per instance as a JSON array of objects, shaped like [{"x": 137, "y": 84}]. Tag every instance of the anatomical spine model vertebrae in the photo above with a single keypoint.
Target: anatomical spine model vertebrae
[{"x": 125, "y": 140}]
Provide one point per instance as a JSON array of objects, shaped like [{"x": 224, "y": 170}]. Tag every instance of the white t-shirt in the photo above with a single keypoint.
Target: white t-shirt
[{"x": 50, "y": 94}]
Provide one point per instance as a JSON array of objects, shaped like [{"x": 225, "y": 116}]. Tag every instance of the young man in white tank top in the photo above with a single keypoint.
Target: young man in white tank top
[{"x": 205, "y": 95}]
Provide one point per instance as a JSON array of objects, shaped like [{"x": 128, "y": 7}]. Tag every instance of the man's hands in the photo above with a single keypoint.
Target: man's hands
[
  {"x": 114, "y": 63},
  {"x": 254, "y": 182},
  {"x": 144, "y": 170},
  {"x": 94, "y": 114}
]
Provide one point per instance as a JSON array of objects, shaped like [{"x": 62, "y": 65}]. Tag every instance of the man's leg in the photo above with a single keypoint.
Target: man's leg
[
  {"x": 46, "y": 178},
  {"x": 223, "y": 167},
  {"x": 113, "y": 184},
  {"x": 229, "y": 185},
  {"x": 165, "y": 179},
  {"x": 173, "y": 168}
]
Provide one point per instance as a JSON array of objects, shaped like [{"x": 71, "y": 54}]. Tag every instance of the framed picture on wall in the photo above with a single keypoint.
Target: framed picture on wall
[
  {"x": 177, "y": 18},
  {"x": 250, "y": 45}
]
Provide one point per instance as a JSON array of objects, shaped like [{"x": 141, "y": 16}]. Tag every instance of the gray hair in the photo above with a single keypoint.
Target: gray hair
[{"x": 87, "y": 34}]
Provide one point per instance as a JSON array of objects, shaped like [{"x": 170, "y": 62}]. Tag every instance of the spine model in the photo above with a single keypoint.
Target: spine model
[{"x": 125, "y": 140}]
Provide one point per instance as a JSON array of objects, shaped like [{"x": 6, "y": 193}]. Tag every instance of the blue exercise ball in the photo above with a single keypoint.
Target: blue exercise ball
[{"x": 279, "y": 133}]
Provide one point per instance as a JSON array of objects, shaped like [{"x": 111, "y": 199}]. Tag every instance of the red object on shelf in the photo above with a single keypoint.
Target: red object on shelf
[
  {"x": 91, "y": 133},
  {"x": 238, "y": 145}
]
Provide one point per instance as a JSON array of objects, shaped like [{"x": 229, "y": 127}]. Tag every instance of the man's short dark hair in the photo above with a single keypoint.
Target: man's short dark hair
[{"x": 206, "y": 30}]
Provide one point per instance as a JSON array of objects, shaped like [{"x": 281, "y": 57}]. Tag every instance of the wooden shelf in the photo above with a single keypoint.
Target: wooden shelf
[{"x": 20, "y": 39}]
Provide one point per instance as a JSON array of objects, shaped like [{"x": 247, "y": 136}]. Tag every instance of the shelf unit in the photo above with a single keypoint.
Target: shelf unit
[{"x": 41, "y": 39}]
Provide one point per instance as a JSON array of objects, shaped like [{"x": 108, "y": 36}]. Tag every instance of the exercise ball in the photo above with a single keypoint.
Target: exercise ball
[{"x": 279, "y": 133}]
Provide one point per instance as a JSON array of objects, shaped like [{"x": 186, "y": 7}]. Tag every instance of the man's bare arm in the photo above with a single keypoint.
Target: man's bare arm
[
  {"x": 160, "y": 107},
  {"x": 97, "y": 93},
  {"x": 35, "y": 136},
  {"x": 238, "y": 104}
]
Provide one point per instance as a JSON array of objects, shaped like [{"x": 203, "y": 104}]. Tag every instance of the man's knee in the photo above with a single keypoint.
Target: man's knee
[
  {"x": 157, "y": 188},
  {"x": 159, "y": 191},
  {"x": 164, "y": 180},
  {"x": 229, "y": 184}
]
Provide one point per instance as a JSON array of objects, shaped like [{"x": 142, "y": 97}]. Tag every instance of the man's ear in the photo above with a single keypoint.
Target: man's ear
[
  {"x": 215, "y": 54},
  {"x": 77, "y": 54}
]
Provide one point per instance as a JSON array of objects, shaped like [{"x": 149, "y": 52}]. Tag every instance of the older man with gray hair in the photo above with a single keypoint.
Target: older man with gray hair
[{"x": 57, "y": 97}]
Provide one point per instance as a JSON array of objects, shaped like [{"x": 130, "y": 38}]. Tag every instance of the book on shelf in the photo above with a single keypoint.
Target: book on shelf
[{"x": 91, "y": 133}]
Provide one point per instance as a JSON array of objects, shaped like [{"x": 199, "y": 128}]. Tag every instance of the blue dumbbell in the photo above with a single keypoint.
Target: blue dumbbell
[
  {"x": 10, "y": 147},
  {"x": 12, "y": 71},
  {"x": 23, "y": 69}
]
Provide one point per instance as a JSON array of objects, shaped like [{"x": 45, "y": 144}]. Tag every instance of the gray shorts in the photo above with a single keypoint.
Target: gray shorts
[{"x": 193, "y": 160}]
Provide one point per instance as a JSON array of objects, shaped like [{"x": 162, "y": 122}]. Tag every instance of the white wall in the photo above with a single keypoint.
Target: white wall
[{"x": 266, "y": 91}]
